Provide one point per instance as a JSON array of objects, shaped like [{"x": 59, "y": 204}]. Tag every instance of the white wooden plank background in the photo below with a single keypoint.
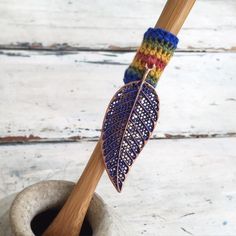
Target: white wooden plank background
[
  {"x": 60, "y": 63},
  {"x": 110, "y": 24},
  {"x": 175, "y": 185},
  {"x": 65, "y": 97}
]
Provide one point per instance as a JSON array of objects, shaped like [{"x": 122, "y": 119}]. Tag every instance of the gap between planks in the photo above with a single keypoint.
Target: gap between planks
[
  {"x": 25, "y": 140},
  {"x": 64, "y": 48}
]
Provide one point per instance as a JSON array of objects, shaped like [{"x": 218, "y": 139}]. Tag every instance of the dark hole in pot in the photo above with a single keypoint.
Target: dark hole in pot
[{"x": 41, "y": 222}]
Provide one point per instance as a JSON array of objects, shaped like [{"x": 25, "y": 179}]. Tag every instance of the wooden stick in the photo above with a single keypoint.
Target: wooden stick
[
  {"x": 174, "y": 14},
  {"x": 69, "y": 221}
]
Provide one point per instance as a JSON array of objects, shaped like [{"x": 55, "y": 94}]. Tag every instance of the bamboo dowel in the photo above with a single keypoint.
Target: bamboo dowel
[
  {"x": 174, "y": 14},
  {"x": 70, "y": 219}
]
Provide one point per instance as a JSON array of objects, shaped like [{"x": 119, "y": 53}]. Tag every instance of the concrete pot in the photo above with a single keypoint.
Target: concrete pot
[{"x": 45, "y": 196}]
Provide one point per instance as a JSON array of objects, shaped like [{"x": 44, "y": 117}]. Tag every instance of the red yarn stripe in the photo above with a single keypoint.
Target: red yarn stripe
[{"x": 150, "y": 60}]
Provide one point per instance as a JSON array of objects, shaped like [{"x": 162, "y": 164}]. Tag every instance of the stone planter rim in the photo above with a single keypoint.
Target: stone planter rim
[{"x": 53, "y": 193}]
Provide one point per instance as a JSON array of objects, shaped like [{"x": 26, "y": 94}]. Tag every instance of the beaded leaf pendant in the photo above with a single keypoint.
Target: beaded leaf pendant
[{"x": 129, "y": 121}]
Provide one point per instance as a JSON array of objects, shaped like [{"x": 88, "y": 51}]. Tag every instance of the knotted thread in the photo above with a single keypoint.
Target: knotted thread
[{"x": 157, "y": 48}]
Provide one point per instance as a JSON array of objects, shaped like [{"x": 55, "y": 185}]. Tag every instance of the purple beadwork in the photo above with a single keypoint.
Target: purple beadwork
[{"x": 130, "y": 118}]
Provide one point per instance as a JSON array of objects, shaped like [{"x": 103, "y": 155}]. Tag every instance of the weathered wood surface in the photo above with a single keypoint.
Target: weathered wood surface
[
  {"x": 177, "y": 187},
  {"x": 110, "y": 24},
  {"x": 58, "y": 97}
]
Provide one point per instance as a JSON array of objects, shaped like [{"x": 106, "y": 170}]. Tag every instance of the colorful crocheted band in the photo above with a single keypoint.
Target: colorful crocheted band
[{"x": 157, "y": 48}]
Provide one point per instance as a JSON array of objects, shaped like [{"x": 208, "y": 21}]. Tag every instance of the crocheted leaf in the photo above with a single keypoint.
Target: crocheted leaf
[{"x": 130, "y": 118}]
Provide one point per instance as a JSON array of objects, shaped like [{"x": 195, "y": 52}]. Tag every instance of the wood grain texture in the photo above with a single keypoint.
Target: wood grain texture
[
  {"x": 49, "y": 97},
  {"x": 176, "y": 184},
  {"x": 110, "y": 24},
  {"x": 57, "y": 99},
  {"x": 174, "y": 15}
]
